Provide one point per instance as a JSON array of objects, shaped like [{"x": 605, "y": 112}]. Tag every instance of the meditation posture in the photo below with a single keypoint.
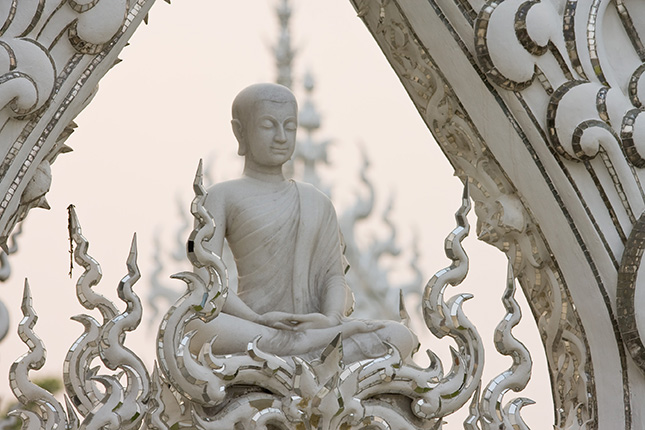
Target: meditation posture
[{"x": 286, "y": 242}]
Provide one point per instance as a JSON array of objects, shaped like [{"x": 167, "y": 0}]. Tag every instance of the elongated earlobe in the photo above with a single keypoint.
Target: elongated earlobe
[{"x": 239, "y": 135}]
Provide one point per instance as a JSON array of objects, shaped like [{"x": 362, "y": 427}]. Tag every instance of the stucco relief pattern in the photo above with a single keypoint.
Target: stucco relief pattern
[
  {"x": 593, "y": 93},
  {"x": 592, "y": 85},
  {"x": 256, "y": 389},
  {"x": 98, "y": 358},
  {"x": 52, "y": 54},
  {"x": 503, "y": 217}
]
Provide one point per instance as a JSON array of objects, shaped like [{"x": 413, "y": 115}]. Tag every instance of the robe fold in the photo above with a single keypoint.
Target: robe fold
[
  {"x": 287, "y": 247},
  {"x": 285, "y": 241}
]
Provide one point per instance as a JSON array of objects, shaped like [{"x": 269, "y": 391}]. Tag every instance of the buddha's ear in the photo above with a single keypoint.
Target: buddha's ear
[{"x": 238, "y": 131}]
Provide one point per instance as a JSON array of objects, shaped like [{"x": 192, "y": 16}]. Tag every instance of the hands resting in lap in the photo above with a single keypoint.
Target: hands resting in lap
[{"x": 303, "y": 322}]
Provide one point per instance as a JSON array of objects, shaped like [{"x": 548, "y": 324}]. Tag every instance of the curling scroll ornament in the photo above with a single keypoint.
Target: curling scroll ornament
[
  {"x": 225, "y": 361},
  {"x": 108, "y": 386},
  {"x": 52, "y": 55},
  {"x": 539, "y": 103},
  {"x": 106, "y": 383}
]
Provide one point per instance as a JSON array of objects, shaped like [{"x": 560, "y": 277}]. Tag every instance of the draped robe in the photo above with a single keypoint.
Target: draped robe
[
  {"x": 286, "y": 242},
  {"x": 287, "y": 248}
]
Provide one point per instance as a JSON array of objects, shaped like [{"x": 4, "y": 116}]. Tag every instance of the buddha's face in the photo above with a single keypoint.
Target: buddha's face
[{"x": 270, "y": 132}]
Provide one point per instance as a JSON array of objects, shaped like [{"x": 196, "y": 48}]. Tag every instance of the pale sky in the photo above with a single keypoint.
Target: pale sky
[{"x": 168, "y": 104}]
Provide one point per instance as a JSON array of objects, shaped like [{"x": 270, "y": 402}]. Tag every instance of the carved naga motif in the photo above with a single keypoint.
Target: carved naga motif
[
  {"x": 256, "y": 389},
  {"x": 104, "y": 400},
  {"x": 52, "y": 55},
  {"x": 589, "y": 59},
  {"x": 504, "y": 218},
  {"x": 105, "y": 342}
]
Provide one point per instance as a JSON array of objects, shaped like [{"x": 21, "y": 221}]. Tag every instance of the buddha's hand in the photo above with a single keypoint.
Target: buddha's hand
[
  {"x": 278, "y": 320},
  {"x": 302, "y": 322},
  {"x": 347, "y": 326}
]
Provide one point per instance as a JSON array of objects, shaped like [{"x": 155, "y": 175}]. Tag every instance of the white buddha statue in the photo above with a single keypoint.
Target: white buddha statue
[{"x": 286, "y": 242}]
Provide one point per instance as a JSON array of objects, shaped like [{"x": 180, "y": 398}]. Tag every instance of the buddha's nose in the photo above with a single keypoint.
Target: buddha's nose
[{"x": 280, "y": 135}]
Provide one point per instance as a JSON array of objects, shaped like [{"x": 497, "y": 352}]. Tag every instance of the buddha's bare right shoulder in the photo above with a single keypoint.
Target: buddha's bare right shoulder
[
  {"x": 223, "y": 192},
  {"x": 227, "y": 187}
]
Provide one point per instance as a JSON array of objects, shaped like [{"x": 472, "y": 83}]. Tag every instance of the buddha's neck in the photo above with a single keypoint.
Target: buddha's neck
[{"x": 273, "y": 175}]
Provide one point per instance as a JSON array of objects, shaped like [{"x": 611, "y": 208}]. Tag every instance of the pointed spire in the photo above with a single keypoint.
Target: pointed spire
[
  {"x": 199, "y": 173},
  {"x": 308, "y": 117},
  {"x": 43, "y": 204},
  {"x": 283, "y": 51},
  {"x": 403, "y": 312}
]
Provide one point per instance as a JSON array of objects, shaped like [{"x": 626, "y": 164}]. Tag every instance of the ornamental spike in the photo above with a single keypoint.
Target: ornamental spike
[
  {"x": 92, "y": 274},
  {"x": 516, "y": 377},
  {"x": 49, "y": 413}
]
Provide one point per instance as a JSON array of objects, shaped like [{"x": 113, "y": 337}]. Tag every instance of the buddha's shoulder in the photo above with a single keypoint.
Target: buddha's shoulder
[
  {"x": 227, "y": 187},
  {"x": 224, "y": 192},
  {"x": 311, "y": 191},
  {"x": 242, "y": 188}
]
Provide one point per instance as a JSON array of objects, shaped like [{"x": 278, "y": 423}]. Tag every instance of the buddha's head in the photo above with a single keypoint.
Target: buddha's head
[{"x": 265, "y": 119}]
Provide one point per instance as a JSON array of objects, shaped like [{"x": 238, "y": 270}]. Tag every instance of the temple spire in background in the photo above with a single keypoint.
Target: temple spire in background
[{"x": 283, "y": 51}]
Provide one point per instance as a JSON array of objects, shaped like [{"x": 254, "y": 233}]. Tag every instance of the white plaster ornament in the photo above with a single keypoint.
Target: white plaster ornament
[{"x": 279, "y": 361}]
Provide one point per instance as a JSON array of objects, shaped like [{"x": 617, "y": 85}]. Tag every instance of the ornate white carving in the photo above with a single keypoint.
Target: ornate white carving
[
  {"x": 587, "y": 62},
  {"x": 515, "y": 378},
  {"x": 52, "y": 55},
  {"x": 328, "y": 393},
  {"x": 49, "y": 413},
  {"x": 256, "y": 389},
  {"x": 504, "y": 219},
  {"x": 122, "y": 405},
  {"x": 324, "y": 393}
]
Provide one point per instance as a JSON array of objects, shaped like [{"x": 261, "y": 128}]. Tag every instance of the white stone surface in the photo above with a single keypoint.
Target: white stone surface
[{"x": 286, "y": 242}]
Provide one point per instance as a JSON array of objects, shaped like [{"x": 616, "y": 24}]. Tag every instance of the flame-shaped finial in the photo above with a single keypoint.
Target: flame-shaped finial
[
  {"x": 92, "y": 274},
  {"x": 516, "y": 377},
  {"x": 446, "y": 318},
  {"x": 204, "y": 299},
  {"x": 49, "y": 414},
  {"x": 156, "y": 406},
  {"x": 107, "y": 342},
  {"x": 116, "y": 356}
]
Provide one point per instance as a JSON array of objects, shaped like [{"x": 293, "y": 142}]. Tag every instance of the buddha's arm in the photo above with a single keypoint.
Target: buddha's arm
[
  {"x": 216, "y": 206},
  {"x": 335, "y": 295},
  {"x": 235, "y": 306},
  {"x": 334, "y": 307},
  {"x": 337, "y": 299}
]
